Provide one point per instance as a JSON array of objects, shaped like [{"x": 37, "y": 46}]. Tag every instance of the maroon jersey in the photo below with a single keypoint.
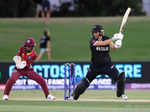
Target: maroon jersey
[{"x": 28, "y": 57}]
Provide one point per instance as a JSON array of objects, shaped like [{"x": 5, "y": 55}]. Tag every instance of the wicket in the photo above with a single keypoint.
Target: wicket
[{"x": 69, "y": 80}]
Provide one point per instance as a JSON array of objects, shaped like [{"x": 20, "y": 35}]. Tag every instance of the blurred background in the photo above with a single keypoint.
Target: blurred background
[{"x": 62, "y": 8}]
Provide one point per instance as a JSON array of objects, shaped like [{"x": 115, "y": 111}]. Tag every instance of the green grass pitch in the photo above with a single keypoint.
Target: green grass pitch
[
  {"x": 70, "y": 37},
  {"x": 92, "y": 100},
  {"x": 61, "y": 106}
]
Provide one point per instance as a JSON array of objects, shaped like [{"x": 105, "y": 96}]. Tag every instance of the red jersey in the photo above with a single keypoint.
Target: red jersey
[{"x": 28, "y": 57}]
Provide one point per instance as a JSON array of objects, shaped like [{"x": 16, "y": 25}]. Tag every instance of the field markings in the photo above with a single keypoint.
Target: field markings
[{"x": 83, "y": 99}]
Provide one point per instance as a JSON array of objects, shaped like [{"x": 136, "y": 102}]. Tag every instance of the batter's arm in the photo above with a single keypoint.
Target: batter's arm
[
  {"x": 112, "y": 45},
  {"x": 33, "y": 58},
  {"x": 102, "y": 43}
]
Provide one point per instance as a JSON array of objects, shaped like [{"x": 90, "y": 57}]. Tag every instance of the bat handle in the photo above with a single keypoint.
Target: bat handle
[{"x": 121, "y": 31}]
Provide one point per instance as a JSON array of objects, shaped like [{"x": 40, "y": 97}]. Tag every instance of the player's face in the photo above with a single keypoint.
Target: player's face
[
  {"x": 96, "y": 34},
  {"x": 29, "y": 48}
]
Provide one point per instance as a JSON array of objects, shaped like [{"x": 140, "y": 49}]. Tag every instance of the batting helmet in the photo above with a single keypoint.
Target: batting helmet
[
  {"x": 98, "y": 28},
  {"x": 29, "y": 42}
]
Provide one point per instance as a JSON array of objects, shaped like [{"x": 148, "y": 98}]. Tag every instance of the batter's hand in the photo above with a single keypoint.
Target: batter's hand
[
  {"x": 117, "y": 36},
  {"x": 118, "y": 44}
]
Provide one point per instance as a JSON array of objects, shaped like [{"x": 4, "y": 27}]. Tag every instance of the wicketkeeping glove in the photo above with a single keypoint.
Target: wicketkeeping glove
[
  {"x": 19, "y": 64},
  {"x": 17, "y": 59},
  {"x": 117, "y": 36}
]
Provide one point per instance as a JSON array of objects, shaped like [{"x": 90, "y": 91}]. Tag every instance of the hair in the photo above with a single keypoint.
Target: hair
[{"x": 46, "y": 32}]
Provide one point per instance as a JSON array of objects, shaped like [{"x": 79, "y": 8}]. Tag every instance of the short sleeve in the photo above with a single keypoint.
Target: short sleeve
[
  {"x": 48, "y": 38},
  {"x": 34, "y": 55},
  {"x": 19, "y": 52},
  {"x": 92, "y": 42}
]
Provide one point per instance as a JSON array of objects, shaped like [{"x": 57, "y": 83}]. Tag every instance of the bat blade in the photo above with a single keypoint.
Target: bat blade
[{"x": 125, "y": 18}]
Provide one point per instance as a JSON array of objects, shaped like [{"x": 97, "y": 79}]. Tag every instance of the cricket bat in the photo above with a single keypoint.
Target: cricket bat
[{"x": 124, "y": 19}]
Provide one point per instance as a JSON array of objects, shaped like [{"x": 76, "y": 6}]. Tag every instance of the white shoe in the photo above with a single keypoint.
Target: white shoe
[
  {"x": 70, "y": 98},
  {"x": 50, "y": 97},
  {"x": 124, "y": 97},
  {"x": 5, "y": 97}
]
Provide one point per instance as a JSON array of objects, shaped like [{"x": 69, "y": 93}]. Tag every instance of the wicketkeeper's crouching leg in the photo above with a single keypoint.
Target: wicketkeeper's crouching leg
[
  {"x": 31, "y": 75},
  {"x": 10, "y": 83},
  {"x": 80, "y": 89},
  {"x": 40, "y": 80},
  {"x": 121, "y": 86}
]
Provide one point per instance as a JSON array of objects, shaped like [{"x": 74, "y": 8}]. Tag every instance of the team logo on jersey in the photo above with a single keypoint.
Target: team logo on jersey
[
  {"x": 22, "y": 54},
  {"x": 100, "y": 48}
]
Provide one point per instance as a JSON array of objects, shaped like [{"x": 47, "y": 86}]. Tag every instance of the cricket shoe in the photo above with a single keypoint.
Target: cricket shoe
[
  {"x": 5, "y": 97},
  {"x": 124, "y": 97},
  {"x": 70, "y": 98},
  {"x": 50, "y": 97}
]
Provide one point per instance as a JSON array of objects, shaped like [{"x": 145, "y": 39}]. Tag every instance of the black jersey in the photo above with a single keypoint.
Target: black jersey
[
  {"x": 100, "y": 54},
  {"x": 43, "y": 41},
  {"x": 46, "y": 5}
]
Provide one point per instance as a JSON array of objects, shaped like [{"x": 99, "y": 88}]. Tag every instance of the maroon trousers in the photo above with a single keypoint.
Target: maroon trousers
[{"x": 31, "y": 75}]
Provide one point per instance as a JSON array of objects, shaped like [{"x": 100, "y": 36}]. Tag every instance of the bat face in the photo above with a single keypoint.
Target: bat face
[{"x": 124, "y": 19}]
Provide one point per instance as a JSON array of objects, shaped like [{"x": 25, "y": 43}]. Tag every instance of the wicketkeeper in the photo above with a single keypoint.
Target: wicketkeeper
[
  {"x": 101, "y": 62},
  {"x": 23, "y": 60}
]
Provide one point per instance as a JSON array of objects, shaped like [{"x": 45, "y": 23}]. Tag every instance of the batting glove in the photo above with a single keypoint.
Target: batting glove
[
  {"x": 117, "y": 36},
  {"x": 118, "y": 44}
]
